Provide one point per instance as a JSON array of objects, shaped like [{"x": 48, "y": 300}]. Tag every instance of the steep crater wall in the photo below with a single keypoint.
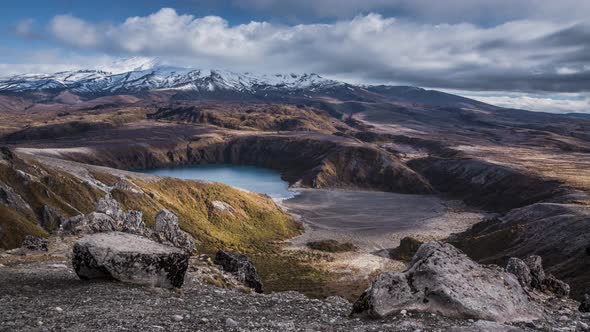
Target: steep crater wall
[
  {"x": 487, "y": 185},
  {"x": 316, "y": 163}
]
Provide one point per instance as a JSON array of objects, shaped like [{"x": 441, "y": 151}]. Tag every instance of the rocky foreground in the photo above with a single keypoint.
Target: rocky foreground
[{"x": 40, "y": 291}]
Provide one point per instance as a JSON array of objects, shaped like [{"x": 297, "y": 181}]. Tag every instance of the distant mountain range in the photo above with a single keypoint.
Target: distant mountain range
[{"x": 148, "y": 76}]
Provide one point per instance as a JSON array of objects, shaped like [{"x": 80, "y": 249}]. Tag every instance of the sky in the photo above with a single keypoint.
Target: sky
[{"x": 531, "y": 54}]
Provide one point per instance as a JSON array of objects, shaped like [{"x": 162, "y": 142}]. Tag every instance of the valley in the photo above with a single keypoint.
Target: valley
[{"x": 369, "y": 166}]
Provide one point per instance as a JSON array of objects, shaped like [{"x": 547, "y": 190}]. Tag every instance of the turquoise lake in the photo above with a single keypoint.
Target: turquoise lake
[{"x": 250, "y": 178}]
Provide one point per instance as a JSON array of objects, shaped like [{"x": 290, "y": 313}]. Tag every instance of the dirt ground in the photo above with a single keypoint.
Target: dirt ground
[{"x": 373, "y": 221}]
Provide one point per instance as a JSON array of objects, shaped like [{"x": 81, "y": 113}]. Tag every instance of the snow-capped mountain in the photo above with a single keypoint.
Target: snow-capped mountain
[
  {"x": 148, "y": 77},
  {"x": 135, "y": 76}
]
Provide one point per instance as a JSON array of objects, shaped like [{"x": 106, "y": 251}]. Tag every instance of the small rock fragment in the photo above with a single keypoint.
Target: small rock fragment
[
  {"x": 231, "y": 323},
  {"x": 177, "y": 318}
]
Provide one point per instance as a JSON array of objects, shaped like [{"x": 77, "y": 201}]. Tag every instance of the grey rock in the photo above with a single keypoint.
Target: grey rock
[
  {"x": 486, "y": 326},
  {"x": 35, "y": 243},
  {"x": 133, "y": 223},
  {"x": 231, "y": 323},
  {"x": 167, "y": 230},
  {"x": 129, "y": 258},
  {"x": 94, "y": 222},
  {"x": 97, "y": 222},
  {"x": 585, "y": 304},
  {"x": 240, "y": 266},
  {"x": 51, "y": 218},
  {"x": 70, "y": 224},
  {"x": 441, "y": 279},
  {"x": 536, "y": 277},
  {"x": 109, "y": 206},
  {"x": 535, "y": 264},
  {"x": 13, "y": 200},
  {"x": 522, "y": 272},
  {"x": 556, "y": 286}
]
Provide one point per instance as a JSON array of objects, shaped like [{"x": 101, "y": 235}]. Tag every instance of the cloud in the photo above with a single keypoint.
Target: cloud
[
  {"x": 448, "y": 11},
  {"x": 523, "y": 55},
  {"x": 560, "y": 103},
  {"x": 24, "y": 29}
]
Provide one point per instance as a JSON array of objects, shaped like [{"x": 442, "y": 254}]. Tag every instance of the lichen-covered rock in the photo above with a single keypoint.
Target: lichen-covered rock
[
  {"x": 97, "y": 222},
  {"x": 129, "y": 258},
  {"x": 240, "y": 266},
  {"x": 585, "y": 304},
  {"x": 441, "y": 279},
  {"x": 168, "y": 230},
  {"x": 133, "y": 223},
  {"x": 522, "y": 272},
  {"x": 35, "y": 243},
  {"x": 109, "y": 206},
  {"x": 535, "y": 264}
]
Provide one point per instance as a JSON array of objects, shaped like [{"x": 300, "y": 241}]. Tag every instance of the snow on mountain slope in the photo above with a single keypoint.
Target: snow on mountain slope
[{"x": 149, "y": 76}]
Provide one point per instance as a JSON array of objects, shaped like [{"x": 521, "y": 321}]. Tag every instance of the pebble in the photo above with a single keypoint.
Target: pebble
[
  {"x": 177, "y": 318},
  {"x": 231, "y": 323},
  {"x": 58, "y": 309},
  {"x": 39, "y": 323},
  {"x": 563, "y": 318},
  {"x": 404, "y": 312},
  {"x": 204, "y": 320}
]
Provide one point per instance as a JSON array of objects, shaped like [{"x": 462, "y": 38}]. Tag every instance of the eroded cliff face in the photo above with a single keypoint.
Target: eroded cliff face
[
  {"x": 309, "y": 162},
  {"x": 560, "y": 233},
  {"x": 480, "y": 183}
]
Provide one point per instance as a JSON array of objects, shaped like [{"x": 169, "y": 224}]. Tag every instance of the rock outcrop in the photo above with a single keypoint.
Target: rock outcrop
[
  {"x": 51, "y": 218},
  {"x": 240, "y": 266},
  {"x": 560, "y": 233},
  {"x": 585, "y": 304},
  {"x": 167, "y": 229},
  {"x": 521, "y": 270},
  {"x": 35, "y": 243},
  {"x": 530, "y": 274},
  {"x": 404, "y": 252},
  {"x": 110, "y": 217},
  {"x": 109, "y": 206},
  {"x": 441, "y": 279},
  {"x": 129, "y": 258}
]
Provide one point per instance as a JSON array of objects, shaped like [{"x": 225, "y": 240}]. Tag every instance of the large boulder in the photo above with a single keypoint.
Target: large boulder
[
  {"x": 167, "y": 230},
  {"x": 240, "y": 266},
  {"x": 129, "y": 258},
  {"x": 442, "y": 279}
]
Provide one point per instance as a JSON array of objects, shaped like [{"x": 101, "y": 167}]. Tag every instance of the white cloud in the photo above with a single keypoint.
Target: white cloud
[
  {"x": 574, "y": 103},
  {"x": 517, "y": 55}
]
